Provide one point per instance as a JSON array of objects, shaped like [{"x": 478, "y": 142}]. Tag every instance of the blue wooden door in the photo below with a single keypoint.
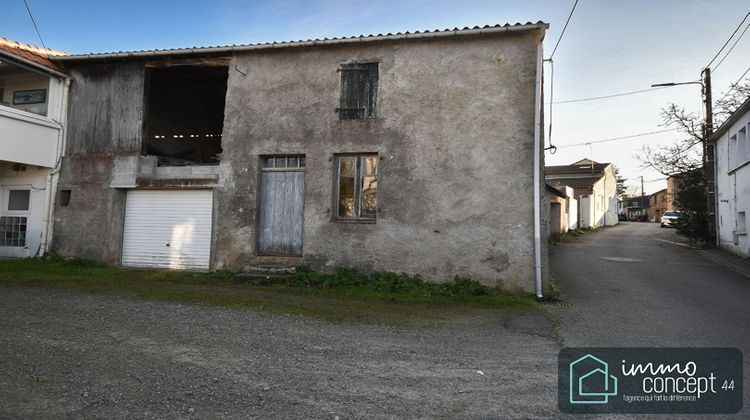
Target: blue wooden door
[{"x": 281, "y": 212}]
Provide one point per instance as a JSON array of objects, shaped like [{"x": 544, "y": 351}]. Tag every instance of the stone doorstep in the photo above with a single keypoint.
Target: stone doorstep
[{"x": 269, "y": 269}]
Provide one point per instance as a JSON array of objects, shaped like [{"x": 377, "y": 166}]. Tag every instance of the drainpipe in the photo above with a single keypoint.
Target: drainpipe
[
  {"x": 537, "y": 173},
  {"x": 52, "y": 176}
]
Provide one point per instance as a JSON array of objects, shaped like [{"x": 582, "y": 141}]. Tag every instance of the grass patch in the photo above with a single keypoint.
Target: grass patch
[
  {"x": 345, "y": 296},
  {"x": 554, "y": 290}
]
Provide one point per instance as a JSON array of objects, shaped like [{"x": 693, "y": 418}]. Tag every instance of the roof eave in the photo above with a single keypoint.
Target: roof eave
[
  {"x": 736, "y": 115},
  {"x": 540, "y": 26},
  {"x": 31, "y": 64}
]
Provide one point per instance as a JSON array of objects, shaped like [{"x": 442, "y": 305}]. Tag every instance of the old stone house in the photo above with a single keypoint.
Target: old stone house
[
  {"x": 410, "y": 152},
  {"x": 562, "y": 212},
  {"x": 594, "y": 185},
  {"x": 658, "y": 203}
]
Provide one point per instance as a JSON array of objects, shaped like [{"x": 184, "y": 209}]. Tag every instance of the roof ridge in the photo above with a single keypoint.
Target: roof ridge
[
  {"x": 46, "y": 52},
  {"x": 314, "y": 41}
]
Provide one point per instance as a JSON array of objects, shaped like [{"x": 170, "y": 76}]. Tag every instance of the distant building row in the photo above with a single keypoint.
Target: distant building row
[{"x": 587, "y": 195}]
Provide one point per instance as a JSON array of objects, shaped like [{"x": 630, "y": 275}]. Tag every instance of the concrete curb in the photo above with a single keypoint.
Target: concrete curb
[{"x": 729, "y": 261}]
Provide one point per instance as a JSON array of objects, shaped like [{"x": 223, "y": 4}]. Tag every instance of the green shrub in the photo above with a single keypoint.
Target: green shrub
[
  {"x": 465, "y": 287},
  {"x": 389, "y": 283}
]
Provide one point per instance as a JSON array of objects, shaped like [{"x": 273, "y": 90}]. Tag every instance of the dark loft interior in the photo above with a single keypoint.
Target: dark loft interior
[{"x": 185, "y": 106}]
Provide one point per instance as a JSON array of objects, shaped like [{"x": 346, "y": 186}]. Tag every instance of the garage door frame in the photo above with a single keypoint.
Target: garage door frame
[{"x": 203, "y": 252}]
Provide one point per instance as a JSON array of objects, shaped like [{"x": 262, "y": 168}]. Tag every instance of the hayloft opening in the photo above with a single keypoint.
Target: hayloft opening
[{"x": 185, "y": 114}]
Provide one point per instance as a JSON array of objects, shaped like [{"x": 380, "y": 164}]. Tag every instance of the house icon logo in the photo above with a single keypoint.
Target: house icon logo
[{"x": 590, "y": 381}]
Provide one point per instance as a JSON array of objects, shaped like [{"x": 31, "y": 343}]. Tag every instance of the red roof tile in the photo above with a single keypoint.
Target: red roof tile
[{"x": 31, "y": 53}]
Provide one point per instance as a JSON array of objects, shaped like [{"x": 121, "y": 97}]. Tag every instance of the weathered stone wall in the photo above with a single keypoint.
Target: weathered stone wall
[
  {"x": 105, "y": 120},
  {"x": 455, "y": 132},
  {"x": 90, "y": 226},
  {"x": 454, "y": 129}
]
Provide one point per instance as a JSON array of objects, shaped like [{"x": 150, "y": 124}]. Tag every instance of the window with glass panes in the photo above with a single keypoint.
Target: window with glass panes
[
  {"x": 283, "y": 162},
  {"x": 357, "y": 187}
]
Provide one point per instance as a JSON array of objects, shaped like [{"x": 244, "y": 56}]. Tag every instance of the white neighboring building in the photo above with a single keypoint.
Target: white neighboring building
[
  {"x": 594, "y": 187},
  {"x": 732, "y": 166},
  {"x": 33, "y": 98}
]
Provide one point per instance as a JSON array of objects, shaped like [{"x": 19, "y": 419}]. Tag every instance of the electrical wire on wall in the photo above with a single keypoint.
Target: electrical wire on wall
[{"x": 552, "y": 148}]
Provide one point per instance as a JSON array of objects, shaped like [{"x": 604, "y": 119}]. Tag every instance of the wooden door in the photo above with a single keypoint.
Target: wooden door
[{"x": 282, "y": 205}]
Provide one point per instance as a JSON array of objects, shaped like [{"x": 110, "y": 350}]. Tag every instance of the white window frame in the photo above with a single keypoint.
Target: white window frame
[
  {"x": 4, "y": 212},
  {"x": 6, "y": 200}
]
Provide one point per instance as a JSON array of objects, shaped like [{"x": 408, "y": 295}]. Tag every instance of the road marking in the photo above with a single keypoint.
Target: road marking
[
  {"x": 673, "y": 243},
  {"x": 621, "y": 259}
]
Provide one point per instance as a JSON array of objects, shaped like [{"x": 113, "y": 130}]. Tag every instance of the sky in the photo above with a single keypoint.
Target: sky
[{"x": 610, "y": 47}]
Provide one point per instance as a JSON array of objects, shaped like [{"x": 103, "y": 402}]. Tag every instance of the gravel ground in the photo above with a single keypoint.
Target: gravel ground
[{"x": 65, "y": 354}]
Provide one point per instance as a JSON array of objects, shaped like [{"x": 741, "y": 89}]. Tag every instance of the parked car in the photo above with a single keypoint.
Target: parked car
[
  {"x": 670, "y": 218},
  {"x": 622, "y": 217}
]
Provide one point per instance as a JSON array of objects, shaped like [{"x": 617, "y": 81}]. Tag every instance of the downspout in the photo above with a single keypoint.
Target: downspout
[
  {"x": 717, "y": 219},
  {"x": 52, "y": 176},
  {"x": 537, "y": 172}
]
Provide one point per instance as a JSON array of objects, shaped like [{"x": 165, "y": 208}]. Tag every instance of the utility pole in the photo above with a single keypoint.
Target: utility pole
[
  {"x": 708, "y": 156},
  {"x": 708, "y": 149},
  {"x": 643, "y": 197}
]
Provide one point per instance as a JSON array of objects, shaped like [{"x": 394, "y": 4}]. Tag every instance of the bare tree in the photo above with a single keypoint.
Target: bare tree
[
  {"x": 685, "y": 157},
  {"x": 731, "y": 101},
  {"x": 687, "y": 154},
  {"x": 682, "y": 156}
]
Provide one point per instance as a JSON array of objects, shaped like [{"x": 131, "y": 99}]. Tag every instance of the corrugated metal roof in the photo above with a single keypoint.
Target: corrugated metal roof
[{"x": 476, "y": 30}]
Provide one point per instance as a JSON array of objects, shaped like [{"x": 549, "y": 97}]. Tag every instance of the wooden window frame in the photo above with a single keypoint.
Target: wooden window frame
[
  {"x": 301, "y": 161},
  {"x": 358, "y": 173}
]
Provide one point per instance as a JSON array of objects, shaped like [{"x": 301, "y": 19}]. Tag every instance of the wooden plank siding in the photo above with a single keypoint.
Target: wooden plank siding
[
  {"x": 281, "y": 213},
  {"x": 106, "y": 109}
]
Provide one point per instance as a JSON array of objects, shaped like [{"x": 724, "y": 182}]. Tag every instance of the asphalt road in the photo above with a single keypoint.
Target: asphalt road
[{"x": 639, "y": 285}]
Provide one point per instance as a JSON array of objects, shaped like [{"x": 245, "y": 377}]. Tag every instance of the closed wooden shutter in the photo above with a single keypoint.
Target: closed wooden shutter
[{"x": 359, "y": 84}]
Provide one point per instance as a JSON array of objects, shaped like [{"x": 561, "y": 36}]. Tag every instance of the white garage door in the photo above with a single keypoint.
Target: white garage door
[{"x": 168, "y": 229}]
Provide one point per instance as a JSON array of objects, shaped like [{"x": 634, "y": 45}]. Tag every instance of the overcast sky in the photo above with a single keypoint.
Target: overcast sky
[{"x": 610, "y": 47}]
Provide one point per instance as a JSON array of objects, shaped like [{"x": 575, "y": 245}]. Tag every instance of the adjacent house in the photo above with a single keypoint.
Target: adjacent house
[
  {"x": 594, "y": 186},
  {"x": 634, "y": 208},
  {"x": 658, "y": 203},
  {"x": 411, "y": 152},
  {"x": 563, "y": 211},
  {"x": 731, "y": 144},
  {"x": 673, "y": 188},
  {"x": 33, "y": 96}
]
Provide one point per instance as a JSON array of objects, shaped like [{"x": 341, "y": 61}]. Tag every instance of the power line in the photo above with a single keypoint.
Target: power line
[
  {"x": 563, "y": 30},
  {"x": 730, "y": 38},
  {"x": 732, "y": 47},
  {"x": 36, "y": 28},
  {"x": 607, "y": 96},
  {"x": 733, "y": 86},
  {"x": 617, "y": 138}
]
